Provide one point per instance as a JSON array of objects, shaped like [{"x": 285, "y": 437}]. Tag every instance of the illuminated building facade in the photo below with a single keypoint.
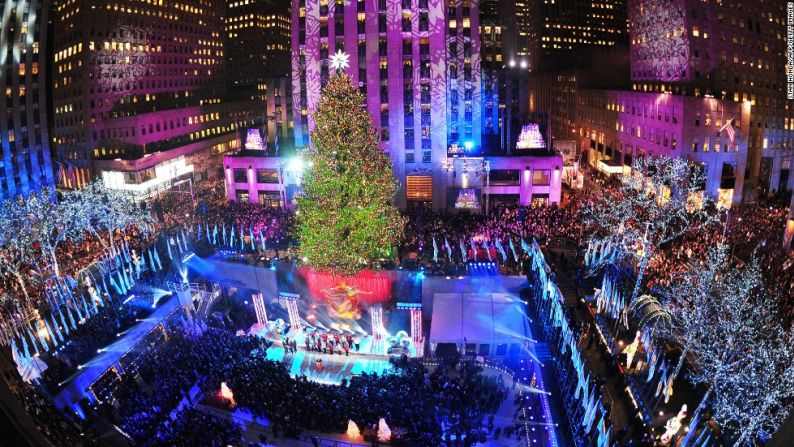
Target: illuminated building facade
[
  {"x": 257, "y": 34},
  {"x": 277, "y": 94},
  {"x": 137, "y": 78},
  {"x": 618, "y": 126},
  {"x": 573, "y": 44},
  {"x": 26, "y": 164},
  {"x": 504, "y": 75},
  {"x": 418, "y": 64},
  {"x": 730, "y": 50}
]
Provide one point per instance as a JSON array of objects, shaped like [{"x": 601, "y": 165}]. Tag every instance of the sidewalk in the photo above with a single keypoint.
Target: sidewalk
[{"x": 605, "y": 367}]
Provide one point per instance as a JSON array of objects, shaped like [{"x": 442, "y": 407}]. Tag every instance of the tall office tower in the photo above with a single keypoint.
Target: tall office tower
[
  {"x": 257, "y": 44},
  {"x": 492, "y": 59},
  {"x": 418, "y": 64},
  {"x": 26, "y": 164},
  {"x": 504, "y": 36},
  {"x": 730, "y": 50},
  {"x": 574, "y": 44},
  {"x": 137, "y": 85},
  {"x": 562, "y": 31}
]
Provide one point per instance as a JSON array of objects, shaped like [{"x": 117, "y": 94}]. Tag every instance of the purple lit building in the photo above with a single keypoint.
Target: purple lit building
[
  {"x": 26, "y": 164},
  {"x": 531, "y": 175},
  {"x": 730, "y": 50},
  {"x": 418, "y": 63},
  {"x": 618, "y": 126},
  {"x": 136, "y": 79}
]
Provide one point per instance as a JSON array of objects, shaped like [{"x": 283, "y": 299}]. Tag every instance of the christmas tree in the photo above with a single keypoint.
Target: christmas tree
[{"x": 347, "y": 214}]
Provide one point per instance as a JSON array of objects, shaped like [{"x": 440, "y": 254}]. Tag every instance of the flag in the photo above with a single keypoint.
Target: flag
[
  {"x": 435, "y": 250},
  {"x": 524, "y": 246},
  {"x": 603, "y": 436},
  {"x": 32, "y": 339},
  {"x": 728, "y": 128},
  {"x": 251, "y": 232},
  {"x": 63, "y": 322},
  {"x": 157, "y": 257},
  {"x": 71, "y": 318},
  {"x": 121, "y": 283},
  {"x": 152, "y": 265},
  {"x": 592, "y": 411},
  {"x": 115, "y": 285},
  {"x": 487, "y": 249},
  {"x": 215, "y": 234},
  {"x": 262, "y": 241},
  {"x": 449, "y": 249},
  {"x": 224, "y": 233},
  {"x": 43, "y": 341},
  {"x": 463, "y": 250},
  {"x": 25, "y": 348},
  {"x": 501, "y": 249},
  {"x": 513, "y": 249},
  {"x": 168, "y": 246},
  {"x": 53, "y": 338},
  {"x": 85, "y": 307},
  {"x": 55, "y": 325}
]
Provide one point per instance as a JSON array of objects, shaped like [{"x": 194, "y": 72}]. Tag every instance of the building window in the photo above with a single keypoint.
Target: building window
[
  {"x": 541, "y": 177},
  {"x": 242, "y": 196},
  {"x": 504, "y": 177},
  {"x": 266, "y": 176},
  {"x": 240, "y": 176},
  {"x": 419, "y": 188},
  {"x": 269, "y": 199}
]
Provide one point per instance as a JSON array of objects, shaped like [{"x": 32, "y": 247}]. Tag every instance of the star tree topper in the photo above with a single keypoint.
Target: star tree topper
[{"x": 340, "y": 61}]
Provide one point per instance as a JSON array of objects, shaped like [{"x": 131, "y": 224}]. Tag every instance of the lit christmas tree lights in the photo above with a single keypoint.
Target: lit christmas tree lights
[{"x": 347, "y": 214}]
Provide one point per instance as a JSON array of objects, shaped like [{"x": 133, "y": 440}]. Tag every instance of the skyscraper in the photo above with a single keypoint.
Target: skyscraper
[
  {"x": 729, "y": 50},
  {"x": 418, "y": 63},
  {"x": 257, "y": 43},
  {"x": 26, "y": 163},
  {"x": 572, "y": 44},
  {"x": 138, "y": 87},
  {"x": 558, "y": 33}
]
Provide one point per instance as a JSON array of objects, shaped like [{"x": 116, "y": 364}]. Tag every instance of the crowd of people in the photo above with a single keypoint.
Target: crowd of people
[
  {"x": 750, "y": 231},
  {"x": 276, "y": 225},
  {"x": 416, "y": 402},
  {"x": 52, "y": 423},
  {"x": 504, "y": 224}
]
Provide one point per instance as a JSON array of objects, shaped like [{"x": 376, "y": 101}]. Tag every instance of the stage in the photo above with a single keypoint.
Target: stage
[{"x": 335, "y": 367}]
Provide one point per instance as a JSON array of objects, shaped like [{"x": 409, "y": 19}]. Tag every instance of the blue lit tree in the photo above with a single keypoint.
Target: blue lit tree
[
  {"x": 16, "y": 248},
  {"x": 105, "y": 210},
  {"x": 660, "y": 201},
  {"x": 50, "y": 223},
  {"x": 727, "y": 320}
]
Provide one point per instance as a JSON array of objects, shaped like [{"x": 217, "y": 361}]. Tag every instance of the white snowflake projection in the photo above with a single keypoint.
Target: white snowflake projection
[{"x": 121, "y": 60}]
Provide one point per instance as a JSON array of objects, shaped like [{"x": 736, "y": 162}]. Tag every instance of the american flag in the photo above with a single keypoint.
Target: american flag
[{"x": 728, "y": 127}]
